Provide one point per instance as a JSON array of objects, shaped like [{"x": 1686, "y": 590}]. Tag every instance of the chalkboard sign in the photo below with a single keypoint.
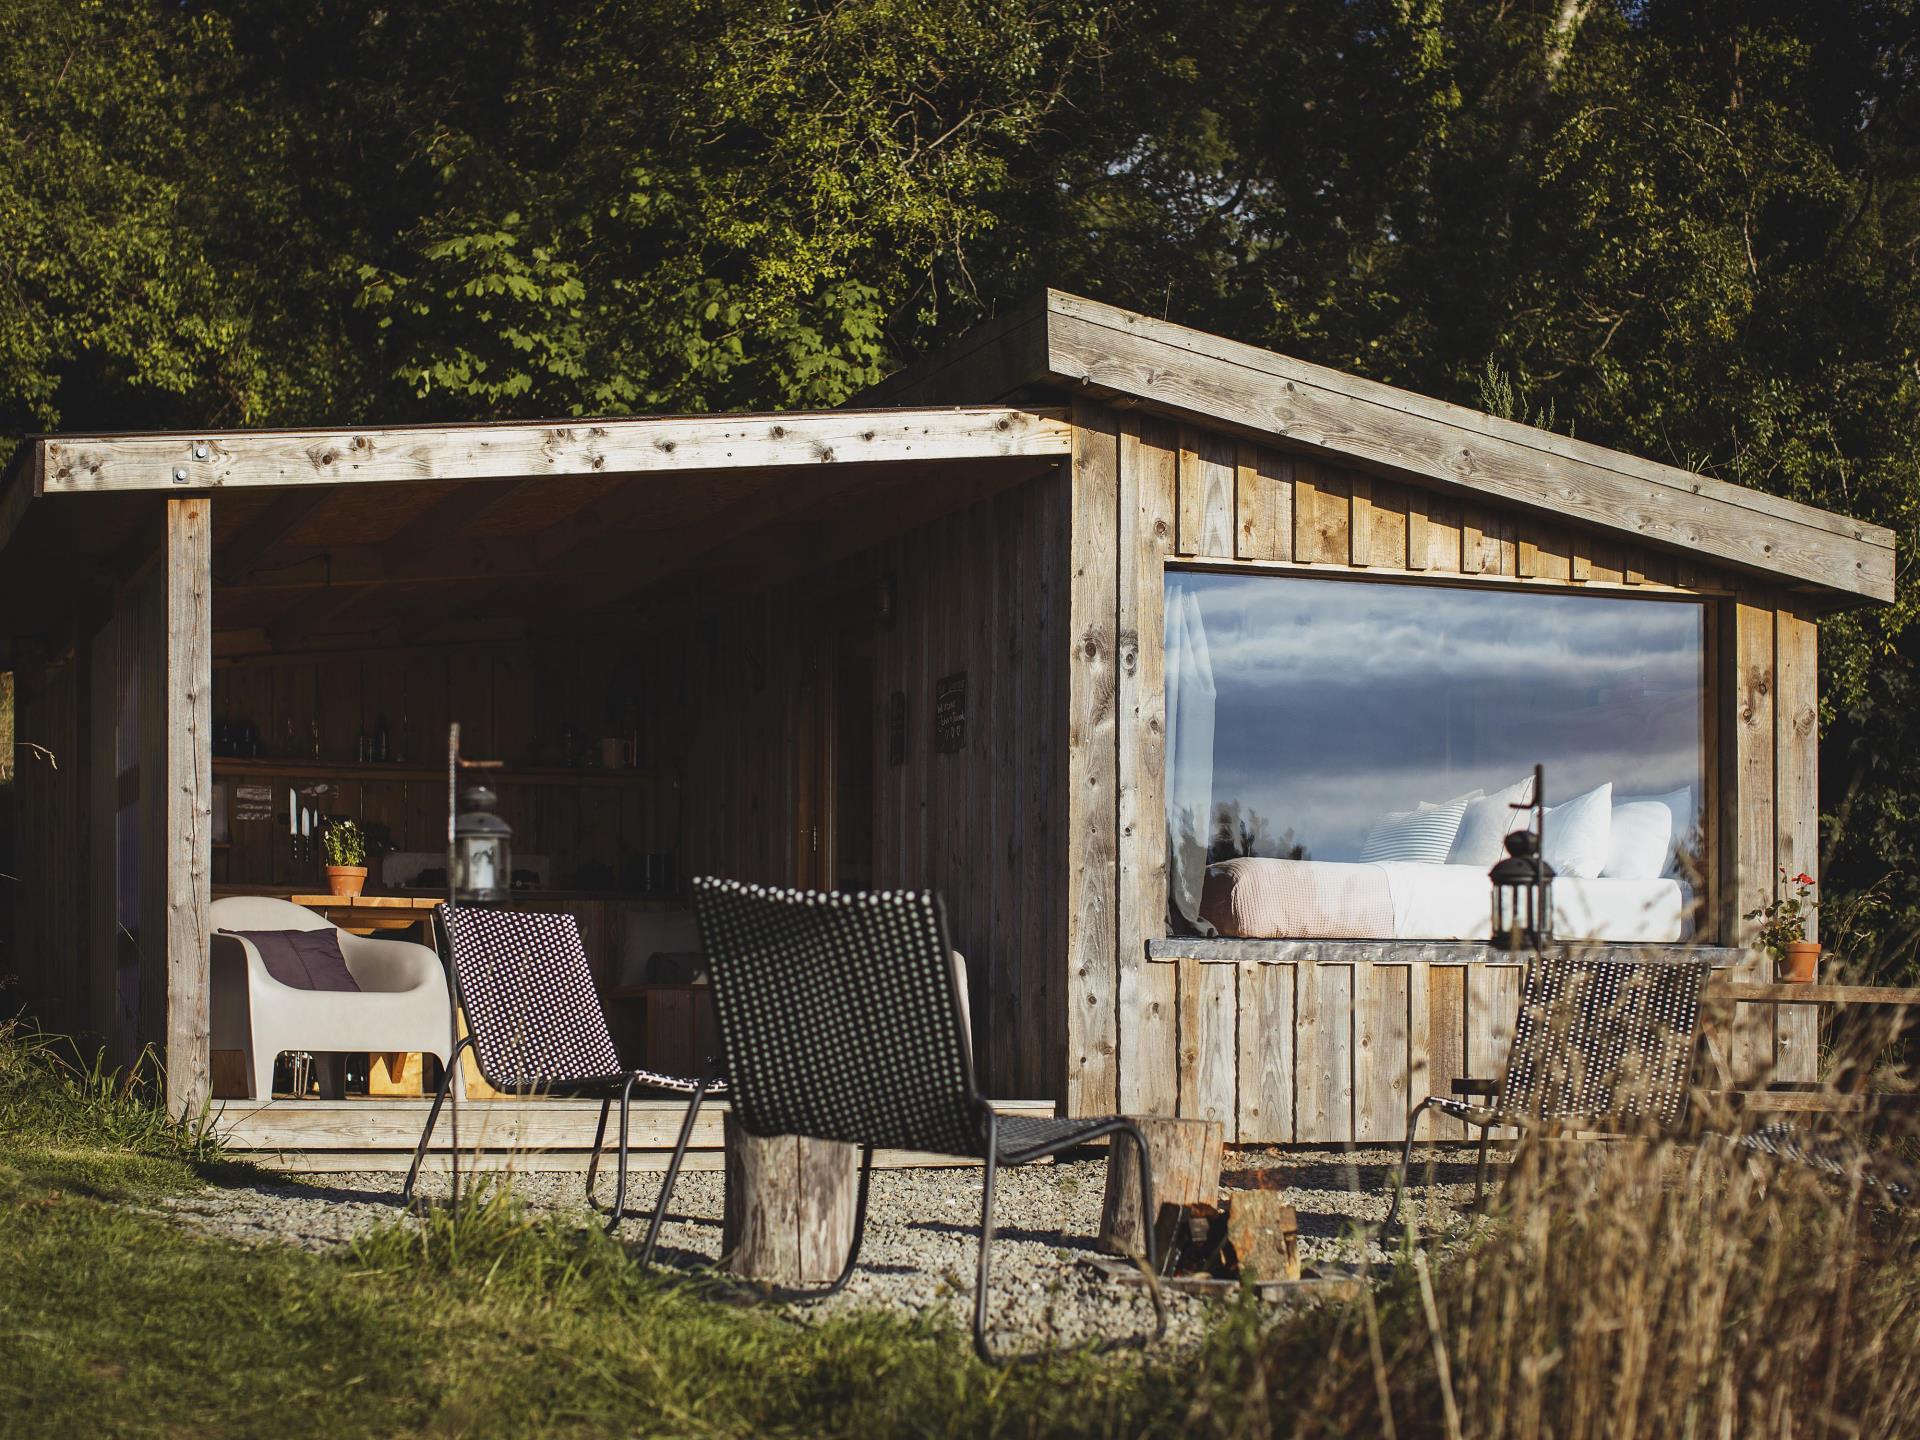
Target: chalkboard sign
[{"x": 950, "y": 713}]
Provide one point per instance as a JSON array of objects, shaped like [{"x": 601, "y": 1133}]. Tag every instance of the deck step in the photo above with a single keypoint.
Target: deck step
[{"x": 327, "y": 1136}]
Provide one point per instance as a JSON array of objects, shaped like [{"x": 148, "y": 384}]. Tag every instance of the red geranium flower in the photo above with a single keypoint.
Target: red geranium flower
[{"x": 1803, "y": 878}]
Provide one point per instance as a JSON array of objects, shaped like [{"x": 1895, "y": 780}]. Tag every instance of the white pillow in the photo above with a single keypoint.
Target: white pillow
[
  {"x": 1686, "y": 823},
  {"x": 1423, "y": 835},
  {"x": 1580, "y": 833},
  {"x": 1642, "y": 842},
  {"x": 1484, "y": 828}
]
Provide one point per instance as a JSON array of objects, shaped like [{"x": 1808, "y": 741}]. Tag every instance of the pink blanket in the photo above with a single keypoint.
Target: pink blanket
[{"x": 1298, "y": 898}]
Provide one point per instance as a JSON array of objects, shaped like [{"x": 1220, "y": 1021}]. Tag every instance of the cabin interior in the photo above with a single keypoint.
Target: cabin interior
[
  {"x": 791, "y": 674},
  {"x": 678, "y": 677}
]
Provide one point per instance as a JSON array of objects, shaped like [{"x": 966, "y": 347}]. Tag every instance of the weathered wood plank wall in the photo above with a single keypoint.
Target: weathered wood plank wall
[
  {"x": 48, "y": 902},
  {"x": 1323, "y": 1047},
  {"x": 981, "y": 591},
  {"x": 1182, "y": 1033},
  {"x": 111, "y": 924}
]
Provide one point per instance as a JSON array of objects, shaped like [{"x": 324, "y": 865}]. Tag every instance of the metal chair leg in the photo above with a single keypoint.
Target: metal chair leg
[
  {"x": 1480, "y": 1170},
  {"x": 982, "y": 1281},
  {"x": 859, "y": 1229},
  {"x": 986, "y": 1243},
  {"x": 620, "y": 1184},
  {"x": 673, "y": 1172},
  {"x": 1406, "y": 1163},
  {"x": 599, "y": 1139},
  {"x": 433, "y": 1117}
]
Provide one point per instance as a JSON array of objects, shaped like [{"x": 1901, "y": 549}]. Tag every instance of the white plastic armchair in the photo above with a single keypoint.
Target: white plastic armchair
[{"x": 401, "y": 1004}]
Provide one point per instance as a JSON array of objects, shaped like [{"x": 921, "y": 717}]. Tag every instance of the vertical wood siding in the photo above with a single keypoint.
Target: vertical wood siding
[
  {"x": 50, "y": 843},
  {"x": 1335, "y": 1050},
  {"x": 1359, "y": 1043},
  {"x": 981, "y": 591}
]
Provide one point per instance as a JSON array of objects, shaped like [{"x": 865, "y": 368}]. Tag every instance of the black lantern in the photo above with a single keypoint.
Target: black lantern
[
  {"x": 480, "y": 857},
  {"x": 1523, "y": 884}
]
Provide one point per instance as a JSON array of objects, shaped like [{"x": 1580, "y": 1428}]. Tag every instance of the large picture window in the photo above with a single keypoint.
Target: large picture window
[{"x": 1368, "y": 722}]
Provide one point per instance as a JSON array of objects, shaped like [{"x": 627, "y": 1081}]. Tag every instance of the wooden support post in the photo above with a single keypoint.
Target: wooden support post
[
  {"x": 1146, "y": 1019},
  {"x": 789, "y": 1207},
  {"x": 187, "y": 679},
  {"x": 1091, "y": 1082},
  {"x": 1186, "y": 1171}
]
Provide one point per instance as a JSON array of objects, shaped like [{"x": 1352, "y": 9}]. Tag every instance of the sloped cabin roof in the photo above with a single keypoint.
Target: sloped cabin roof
[
  {"x": 576, "y": 508},
  {"x": 1063, "y": 343},
  {"x": 554, "y": 517}
]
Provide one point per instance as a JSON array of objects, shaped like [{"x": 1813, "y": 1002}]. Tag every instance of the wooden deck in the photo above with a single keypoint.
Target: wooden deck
[{"x": 330, "y": 1136}]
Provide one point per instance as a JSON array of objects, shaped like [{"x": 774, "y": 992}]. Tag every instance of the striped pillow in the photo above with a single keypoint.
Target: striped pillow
[{"x": 1421, "y": 836}]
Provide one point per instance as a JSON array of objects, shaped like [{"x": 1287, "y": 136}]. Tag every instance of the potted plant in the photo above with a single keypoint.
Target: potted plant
[
  {"x": 1783, "y": 929},
  {"x": 346, "y": 847}
]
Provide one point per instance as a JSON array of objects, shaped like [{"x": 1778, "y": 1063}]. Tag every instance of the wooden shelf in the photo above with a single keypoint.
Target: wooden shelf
[
  {"x": 403, "y": 895},
  {"x": 265, "y": 768}
]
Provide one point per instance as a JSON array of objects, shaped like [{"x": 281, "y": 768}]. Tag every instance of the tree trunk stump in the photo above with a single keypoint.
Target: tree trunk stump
[
  {"x": 1186, "y": 1171},
  {"x": 789, "y": 1207}
]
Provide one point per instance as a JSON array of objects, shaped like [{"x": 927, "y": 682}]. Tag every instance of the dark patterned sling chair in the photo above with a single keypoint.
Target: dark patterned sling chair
[
  {"x": 1600, "y": 1043},
  {"x": 841, "y": 1019},
  {"x": 1879, "y": 1175},
  {"x": 535, "y": 1026}
]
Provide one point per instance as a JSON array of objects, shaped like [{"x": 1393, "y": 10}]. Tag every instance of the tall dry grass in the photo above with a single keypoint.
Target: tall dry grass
[{"x": 1662, "y": 1285}]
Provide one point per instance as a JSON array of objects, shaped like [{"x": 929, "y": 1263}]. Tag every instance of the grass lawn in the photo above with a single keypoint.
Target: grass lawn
[
  {"x": 114, "y": 1321},
  {"x": 1633, "y": 1290}
]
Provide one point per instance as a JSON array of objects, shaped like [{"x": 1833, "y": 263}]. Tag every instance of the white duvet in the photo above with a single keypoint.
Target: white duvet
[{"x": 1455, "y": 902}]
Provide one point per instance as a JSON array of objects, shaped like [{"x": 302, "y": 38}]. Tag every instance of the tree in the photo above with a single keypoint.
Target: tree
[{"x": 1690, "y": 230}]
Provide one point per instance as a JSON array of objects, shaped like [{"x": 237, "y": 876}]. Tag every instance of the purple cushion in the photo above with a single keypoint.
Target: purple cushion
[{"x": 303, "y": 959}]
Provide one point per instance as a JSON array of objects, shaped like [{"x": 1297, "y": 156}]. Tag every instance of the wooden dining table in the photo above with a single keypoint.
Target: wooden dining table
[{"x": 373, "y": 914}]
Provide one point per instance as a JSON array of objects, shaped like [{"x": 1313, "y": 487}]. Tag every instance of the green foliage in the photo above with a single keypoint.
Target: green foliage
[
  {"x": 91, "y": 1129},
  {"x": 1783, "y": 920},
  {"x": 345, "y": 843},
  {"x": 1689, "y": 231}
]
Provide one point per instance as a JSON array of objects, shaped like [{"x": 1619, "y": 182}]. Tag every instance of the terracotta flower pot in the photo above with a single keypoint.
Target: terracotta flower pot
[
  {"x": 1802, "y": 962},
  {"x": 346, "y": 879}
]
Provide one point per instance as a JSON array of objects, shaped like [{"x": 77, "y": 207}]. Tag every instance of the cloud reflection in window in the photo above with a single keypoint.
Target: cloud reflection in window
[{"x": 1337, "y": 701}]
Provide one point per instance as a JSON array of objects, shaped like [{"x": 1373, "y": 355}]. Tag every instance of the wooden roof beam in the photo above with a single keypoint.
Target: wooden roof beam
[{"x": 78, "y": 465}]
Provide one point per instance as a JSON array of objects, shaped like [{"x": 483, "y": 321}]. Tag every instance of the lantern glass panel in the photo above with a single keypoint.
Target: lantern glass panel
[
  {"x": 483, "y": 867},
  {"x": 480, "y": 863}
]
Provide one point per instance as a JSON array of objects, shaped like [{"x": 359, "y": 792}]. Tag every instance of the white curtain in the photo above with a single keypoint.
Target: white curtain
[{"x": 1190, "y": 707}]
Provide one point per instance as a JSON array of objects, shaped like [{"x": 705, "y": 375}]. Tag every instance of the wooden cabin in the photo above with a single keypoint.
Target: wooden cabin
[{"x": 1183, "y": 670}]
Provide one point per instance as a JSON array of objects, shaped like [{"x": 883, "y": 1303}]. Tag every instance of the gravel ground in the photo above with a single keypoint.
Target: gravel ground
[{"x": 922, "y": 1236}]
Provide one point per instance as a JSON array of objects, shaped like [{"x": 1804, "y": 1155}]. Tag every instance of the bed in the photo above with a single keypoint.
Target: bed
[{"x": 1260, "y": 898}]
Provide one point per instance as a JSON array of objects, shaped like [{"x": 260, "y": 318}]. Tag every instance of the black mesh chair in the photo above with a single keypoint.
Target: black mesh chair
[
  {"x": 1597, "y": 1044},
  {"x": 840, "y": 1019},
  {"x": 1836, "y": 1157},
  {"x": 535, "y": 1026}
]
